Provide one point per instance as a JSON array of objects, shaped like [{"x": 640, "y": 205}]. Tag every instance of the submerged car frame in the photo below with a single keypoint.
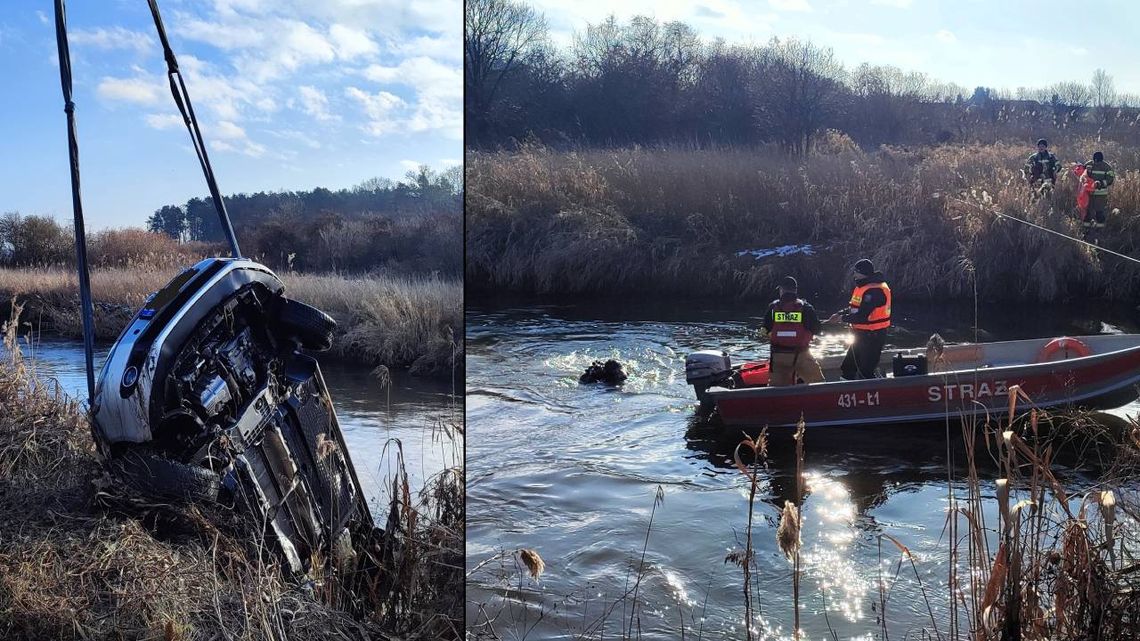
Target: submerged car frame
[{"x": 207, "y": 394}]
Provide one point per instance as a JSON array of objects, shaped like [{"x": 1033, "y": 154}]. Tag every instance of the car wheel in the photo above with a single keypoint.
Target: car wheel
[
  {"x": 311, "y": 327},
  {"x": 154, "y": 475}
]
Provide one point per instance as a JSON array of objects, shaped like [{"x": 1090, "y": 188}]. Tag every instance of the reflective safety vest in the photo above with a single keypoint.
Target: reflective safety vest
[
  {"x": 880, "y": 317},
  {"x": 788, "y": 329},
  {"x": 1103, "y": 173}
]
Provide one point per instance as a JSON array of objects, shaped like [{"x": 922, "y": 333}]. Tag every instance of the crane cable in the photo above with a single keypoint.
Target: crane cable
[
  {"x": 76, "y": 202},
  {"x": 1046, "y": 229},
  {"x": 182, "y": 99}
]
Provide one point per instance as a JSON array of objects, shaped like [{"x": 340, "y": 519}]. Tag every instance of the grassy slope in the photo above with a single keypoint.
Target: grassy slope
[
  {"x": 81, "y": 560},
  {"x": 670, "y": 221},
  {"x": 397, "y": 322}
]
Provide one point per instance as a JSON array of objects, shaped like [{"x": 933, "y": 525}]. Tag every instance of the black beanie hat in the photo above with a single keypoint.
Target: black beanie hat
[
  {"x": 865, "y": 267},
  {"x": 1098, "y": 156},
  {"x": 1042, "y": 141},
  {"x": 789, "y": 284}
]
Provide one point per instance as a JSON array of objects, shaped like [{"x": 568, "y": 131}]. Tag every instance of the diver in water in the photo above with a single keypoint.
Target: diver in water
[{"x": 610, "y": 373}]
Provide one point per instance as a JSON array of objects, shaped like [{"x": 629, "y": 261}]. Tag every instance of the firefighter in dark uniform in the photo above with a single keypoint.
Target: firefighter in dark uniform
[
  {"x": 791, "y": 323},
  {"x": 1042, "y": 167},
  {"x": 869, "y": 313},
  {"x": 1103, "y": 175}
]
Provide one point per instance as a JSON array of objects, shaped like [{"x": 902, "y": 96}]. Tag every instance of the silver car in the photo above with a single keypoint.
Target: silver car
[{"x": 209, "y": 395}]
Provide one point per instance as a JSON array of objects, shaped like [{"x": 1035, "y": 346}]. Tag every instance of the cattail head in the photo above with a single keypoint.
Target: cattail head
[
  {"x": 1108, "y": 513},
  {"x": 533, "y": 562},
  {"x": 788, "y": 534}
]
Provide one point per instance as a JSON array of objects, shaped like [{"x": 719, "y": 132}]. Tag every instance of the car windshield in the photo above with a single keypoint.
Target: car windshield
[{"x": 167, "y": 294}]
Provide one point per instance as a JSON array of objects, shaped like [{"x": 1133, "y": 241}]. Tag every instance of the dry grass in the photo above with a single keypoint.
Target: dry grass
[
  {"x": 81, "y": 560},
  {"x": 671, "y": 220},
  {"x": 397, "y": 322}
]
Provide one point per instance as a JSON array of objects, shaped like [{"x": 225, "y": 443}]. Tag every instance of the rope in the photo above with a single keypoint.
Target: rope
[
  {"x": 182, "y": 99},
  {"x": 76, "y": 201},
  {"x": 1051, "y": 231}
]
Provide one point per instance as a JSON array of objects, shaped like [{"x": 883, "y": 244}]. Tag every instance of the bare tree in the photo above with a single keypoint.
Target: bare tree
[
  {"x": 630, "y": 77},
  {"x": 800, "y": 90},
  {"x": 498, "y": 35},
  {"x": 1128, "y": 100},
  {"x": 1103, "y": 94},
  {"x": 1070, "y": 100}
]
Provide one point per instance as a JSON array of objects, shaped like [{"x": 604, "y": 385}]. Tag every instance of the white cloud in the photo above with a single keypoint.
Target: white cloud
[
  {"x": 292, "y": 134},
  {"x": 224, "y": 36},
  {"x": 314, "y": 102},
  {"x": 439, "y": 93},
  {"x": 410, "y": 165},
  {"x": 296, "y": 53},
  {"x": 351, "y": 43},
  {"x": 164, "y": 121},
  {"x": 450, "y": 162},
  {"x": 43, "y": 17},
  {"x": 438, "y": 47},
  {"x": 236, "y": 146},
  {"x": 381, "y": 109},
  {"x": 226, "y": 130},
  {"x": 142, "y": 91},
  {"x": 946, "y": 36},
  {"x": 898, "y": 4},
  {"x": 113, "y": 38},
  {"x": 790, "y": 5},
  {"x": 1078, "y": 51},
  {"x": 227, "y": 97},
  {"x": 297, "y": 45}
]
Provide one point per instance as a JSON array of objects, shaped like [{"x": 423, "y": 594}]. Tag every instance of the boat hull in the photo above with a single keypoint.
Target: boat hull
[{"x": 1097, "y": 381}]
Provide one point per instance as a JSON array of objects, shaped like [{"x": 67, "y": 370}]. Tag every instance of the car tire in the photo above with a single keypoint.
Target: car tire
[
  {"x": 311, "y": 327},
  {"x": 151, "y": 474}
]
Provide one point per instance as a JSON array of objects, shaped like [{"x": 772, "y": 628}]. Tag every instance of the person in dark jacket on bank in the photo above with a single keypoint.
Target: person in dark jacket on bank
[
  {"x": 791, "y": 322},
  {"x": 869, "y": 313}
]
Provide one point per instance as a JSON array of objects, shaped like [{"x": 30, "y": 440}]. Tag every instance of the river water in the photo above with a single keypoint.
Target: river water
[
  {"x": 573, "y": 471},
  {"x": 372, "y": 418}
]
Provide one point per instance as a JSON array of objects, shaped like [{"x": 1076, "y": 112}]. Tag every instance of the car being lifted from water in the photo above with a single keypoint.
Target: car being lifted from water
[{"x": 208, "y": 395}]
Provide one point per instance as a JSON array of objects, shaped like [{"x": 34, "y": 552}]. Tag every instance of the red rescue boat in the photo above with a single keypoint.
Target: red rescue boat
[{"x": 1094, "y": 372}]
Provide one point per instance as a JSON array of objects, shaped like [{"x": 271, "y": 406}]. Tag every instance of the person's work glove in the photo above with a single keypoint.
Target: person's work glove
[{"x": 1098, "y": 184}]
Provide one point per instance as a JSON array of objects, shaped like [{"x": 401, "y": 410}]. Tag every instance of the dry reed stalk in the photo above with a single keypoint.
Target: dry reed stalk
[
  {"x": 759, "y": 449},
  {"x": 637, "y": 220},
  {"x": 400, "y": 322},
  {"x": 799, "y": 436}
]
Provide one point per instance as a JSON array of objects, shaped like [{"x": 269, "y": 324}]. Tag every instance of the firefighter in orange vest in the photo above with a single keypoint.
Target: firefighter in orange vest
[
  {"x": 791, "y": 323},
  {"x": 869, "y": 314}
]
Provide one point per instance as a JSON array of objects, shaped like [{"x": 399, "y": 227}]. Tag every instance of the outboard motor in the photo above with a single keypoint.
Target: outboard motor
[{"x": 706, "y": 368}]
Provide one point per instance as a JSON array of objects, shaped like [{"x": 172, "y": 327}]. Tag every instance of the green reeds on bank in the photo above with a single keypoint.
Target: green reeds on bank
[
  {"x": 655, "y": 221},
  {"x": 82, "y": 559}
]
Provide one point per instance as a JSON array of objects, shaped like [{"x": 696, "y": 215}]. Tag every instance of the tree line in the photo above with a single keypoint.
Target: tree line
[
  {"x": 647, "y": 82},
  {"x": 413, "y": 226}
]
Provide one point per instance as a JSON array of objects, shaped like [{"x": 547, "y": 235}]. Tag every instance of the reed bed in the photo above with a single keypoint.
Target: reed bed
[
  {"x": 654, "y": 221},
  {"x": 80, "y": 559},
  {"x": 398, "y": 322}
]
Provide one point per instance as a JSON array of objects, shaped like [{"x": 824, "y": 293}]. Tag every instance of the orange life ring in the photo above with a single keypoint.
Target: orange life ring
[{"x": 1064, "y": 344}]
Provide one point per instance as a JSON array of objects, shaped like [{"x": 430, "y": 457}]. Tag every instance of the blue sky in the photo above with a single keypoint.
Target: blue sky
[
  {"x": 291, "y": 94},
  {"x": 1005, "y": 44}
]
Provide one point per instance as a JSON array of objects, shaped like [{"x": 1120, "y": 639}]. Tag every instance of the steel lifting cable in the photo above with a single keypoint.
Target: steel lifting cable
[
  {"x": 1046, "y": 229},
  {"x": 182, "y": 99},
  {"x": 76, "y": 201}
]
